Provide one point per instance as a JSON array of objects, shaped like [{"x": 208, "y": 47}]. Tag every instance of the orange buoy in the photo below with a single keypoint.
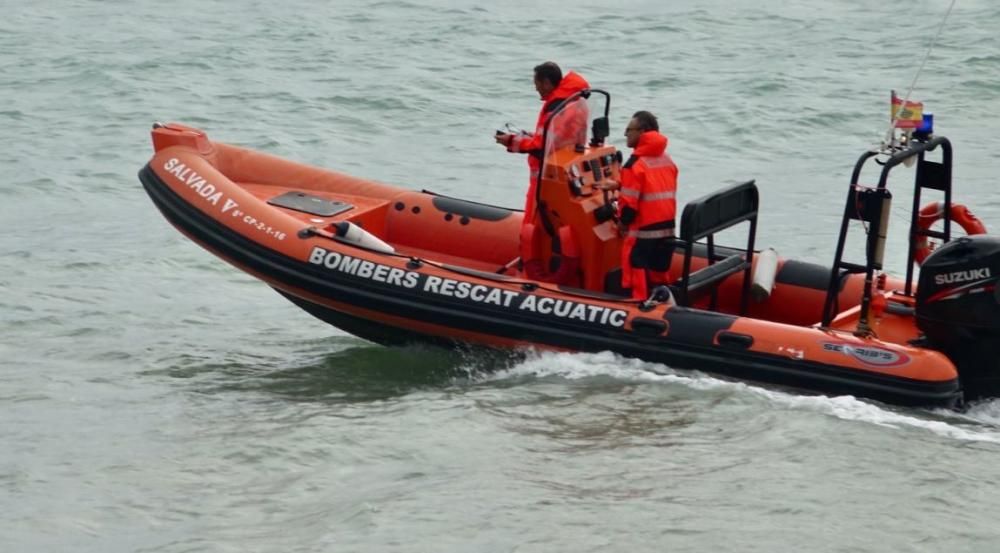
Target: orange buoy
[{"x": 932, "y": 213}]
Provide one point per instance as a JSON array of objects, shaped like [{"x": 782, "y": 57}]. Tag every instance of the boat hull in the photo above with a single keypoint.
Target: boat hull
[{"x": 419, "y": 300}]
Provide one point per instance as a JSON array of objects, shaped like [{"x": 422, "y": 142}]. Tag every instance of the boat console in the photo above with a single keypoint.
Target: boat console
[{"x": 576, "y": 194}]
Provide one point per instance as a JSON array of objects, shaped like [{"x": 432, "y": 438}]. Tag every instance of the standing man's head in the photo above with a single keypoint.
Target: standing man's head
[
  {"x": 547, "y": 77},
  {"x": 641, "y": 122}
]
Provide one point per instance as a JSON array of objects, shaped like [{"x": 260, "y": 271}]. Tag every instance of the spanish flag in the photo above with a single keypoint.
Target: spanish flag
[{"x": 908, "y": 116}]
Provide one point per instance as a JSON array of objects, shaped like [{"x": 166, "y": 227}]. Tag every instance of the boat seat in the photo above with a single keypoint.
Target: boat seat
[
  {"x": 702, "y": 219},
  {"x": 705, "y": 279}
]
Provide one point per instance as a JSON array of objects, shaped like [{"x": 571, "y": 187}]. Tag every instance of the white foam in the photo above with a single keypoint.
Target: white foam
[
  {"x": 985, "y": 413},
  {"x": 574, "y": 366},
  {"x": 853, "y": 409}
]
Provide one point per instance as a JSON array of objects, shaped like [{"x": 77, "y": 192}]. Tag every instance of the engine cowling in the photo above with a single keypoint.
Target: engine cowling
[{"x": 958, "y": 309}]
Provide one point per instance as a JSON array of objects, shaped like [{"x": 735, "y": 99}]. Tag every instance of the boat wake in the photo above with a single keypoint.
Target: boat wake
[{"x": 979, "y": 423}]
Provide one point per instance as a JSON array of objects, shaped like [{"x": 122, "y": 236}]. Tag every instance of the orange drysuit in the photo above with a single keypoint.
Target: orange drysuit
[
  {"x": 647, "y": 206},
  {"x": 531, "y": 144}
]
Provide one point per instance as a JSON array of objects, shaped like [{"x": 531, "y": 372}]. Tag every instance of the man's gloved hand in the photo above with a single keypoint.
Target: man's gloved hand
[{"x": 504, "y": 138}]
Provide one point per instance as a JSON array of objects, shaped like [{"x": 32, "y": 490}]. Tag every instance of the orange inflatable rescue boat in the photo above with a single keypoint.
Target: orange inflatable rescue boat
[{"x": 394, "y": 265}]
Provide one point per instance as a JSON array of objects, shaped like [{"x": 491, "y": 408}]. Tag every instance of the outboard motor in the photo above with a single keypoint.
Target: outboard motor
[{"x": 958, "y": 309}]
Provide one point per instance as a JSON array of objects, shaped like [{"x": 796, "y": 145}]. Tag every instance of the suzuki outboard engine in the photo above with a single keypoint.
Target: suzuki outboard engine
[{"x": 958, "y": 309}]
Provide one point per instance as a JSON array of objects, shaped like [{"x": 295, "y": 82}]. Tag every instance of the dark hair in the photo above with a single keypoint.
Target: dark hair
[
  {"x": 549, "y": 71},
  {"x": 647, "y": 121}
]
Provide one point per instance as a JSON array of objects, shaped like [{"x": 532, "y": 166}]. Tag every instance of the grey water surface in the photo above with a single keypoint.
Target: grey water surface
[{"x": 153, "y": 398}]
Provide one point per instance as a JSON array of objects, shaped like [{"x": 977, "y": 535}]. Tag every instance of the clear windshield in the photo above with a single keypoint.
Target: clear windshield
[{"x": 568, "y": 127}]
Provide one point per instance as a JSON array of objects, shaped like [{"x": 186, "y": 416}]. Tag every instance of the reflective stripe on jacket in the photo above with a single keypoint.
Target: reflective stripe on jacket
[{"x": 654, "y": 233}]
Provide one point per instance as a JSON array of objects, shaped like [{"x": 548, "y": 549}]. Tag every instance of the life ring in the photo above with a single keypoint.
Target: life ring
[{"x": 933, "y": 212}]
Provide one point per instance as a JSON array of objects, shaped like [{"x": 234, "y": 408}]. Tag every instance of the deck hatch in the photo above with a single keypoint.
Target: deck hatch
[{"x": 307, "y": 203}]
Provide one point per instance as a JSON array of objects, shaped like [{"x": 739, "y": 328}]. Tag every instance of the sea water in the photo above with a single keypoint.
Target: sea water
[{"x": 154, "y": 398}]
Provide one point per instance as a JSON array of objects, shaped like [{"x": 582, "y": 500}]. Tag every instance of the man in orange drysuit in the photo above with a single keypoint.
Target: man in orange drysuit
[
  {"x": 646, "y": 205},
  {"x": 554, "y": 89}
]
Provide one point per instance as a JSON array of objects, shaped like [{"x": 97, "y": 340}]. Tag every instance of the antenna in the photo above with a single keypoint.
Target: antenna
[{"x": 890, "y": 135}]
